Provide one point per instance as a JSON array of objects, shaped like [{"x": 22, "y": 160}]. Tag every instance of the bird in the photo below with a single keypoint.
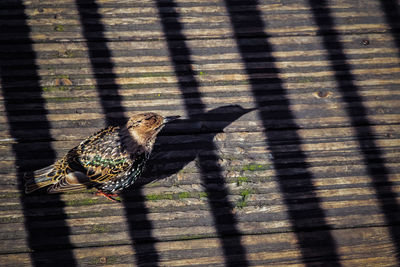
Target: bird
[{"x": 110, "y": 160}]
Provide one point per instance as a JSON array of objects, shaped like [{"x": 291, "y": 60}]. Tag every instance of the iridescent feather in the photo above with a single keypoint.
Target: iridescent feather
[{"x": 109, "y": 160}]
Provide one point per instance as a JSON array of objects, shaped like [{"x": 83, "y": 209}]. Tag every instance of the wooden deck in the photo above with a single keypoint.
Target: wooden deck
[{"x": 305, "y": 172}]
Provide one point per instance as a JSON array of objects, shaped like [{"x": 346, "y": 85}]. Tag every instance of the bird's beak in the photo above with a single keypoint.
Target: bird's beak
[{"x": 170, "y": 118}]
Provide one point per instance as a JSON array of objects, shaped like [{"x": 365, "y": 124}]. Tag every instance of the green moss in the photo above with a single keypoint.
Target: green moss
[
  {"x": 94, "y": 261},
  {"x": 69, "y": 54},
  {"x": 112, "y": 259},
  {"x": 59, "y": 28},
  {"x": 255, "y": 167},
  {"x": 245, "y": 193},
  {"x": 242, "y": 202},
  {"x": 55, "y": 88},
  {"x": 82, "y": 202},
  {"x": 230, "y": 157},
  {"x": 159, "y": 196},
  {"x": 201, "y": 73},
  {"x": 183, "y": 195},
  {"x": 84, "y": 87},
  {"x": 196, "y": 236},
  {"x": 62, "y": 76},
  {"x": 203, "y": 194},
  {"x": 304, "y": 80},
  {"x": 241, "y": 180},
  {"x": 99, "y": 229}
]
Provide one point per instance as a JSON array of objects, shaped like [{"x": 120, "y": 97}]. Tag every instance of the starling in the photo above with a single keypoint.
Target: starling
[{"x": 109, "y": 160}]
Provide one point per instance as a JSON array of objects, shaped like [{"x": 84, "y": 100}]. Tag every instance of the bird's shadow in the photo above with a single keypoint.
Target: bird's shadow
[{"x": 183, "y": 140}]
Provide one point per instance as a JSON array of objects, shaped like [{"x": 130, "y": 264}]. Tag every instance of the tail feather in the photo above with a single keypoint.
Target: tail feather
[{"x": 39, "y": 179}]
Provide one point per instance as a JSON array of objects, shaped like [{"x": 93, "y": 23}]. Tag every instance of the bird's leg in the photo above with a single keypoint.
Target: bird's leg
[{"x": 109, "y": 196}]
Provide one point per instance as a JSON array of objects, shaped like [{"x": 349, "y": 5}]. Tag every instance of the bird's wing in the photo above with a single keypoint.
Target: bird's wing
[
  {"x": 67, "y": 174},
  {"x": 95, "y": 161}
]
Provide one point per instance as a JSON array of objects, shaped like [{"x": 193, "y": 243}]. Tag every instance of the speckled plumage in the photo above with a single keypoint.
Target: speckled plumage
[{"x": 109, "y": 160}]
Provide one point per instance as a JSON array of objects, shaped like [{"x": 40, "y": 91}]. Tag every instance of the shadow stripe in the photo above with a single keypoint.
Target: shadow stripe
[
  {"x": 221, "y": 209},
  {"x": 308, "y": 240},
  {"x": 357, "y": 113},
  {"x": 114, "y": 114},
  {"x": 40, "y": 241},
  {"x": 391, "y": 8}
]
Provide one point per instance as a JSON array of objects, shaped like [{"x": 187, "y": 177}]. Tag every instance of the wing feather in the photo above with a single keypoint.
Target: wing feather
[{"x": 94, "y": 162}]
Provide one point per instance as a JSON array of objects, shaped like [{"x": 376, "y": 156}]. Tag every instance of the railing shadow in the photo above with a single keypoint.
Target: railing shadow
[
  {"x": 211, "y": 172},
  {"x": 315, "y": 246},
  {"x": 113, "y": 109},
  {"x": 26, "y": 133},
  {"x": 372, "y": 154},
  {"x": 187, "y": 139},
  {"x": 391, "y": 8}
]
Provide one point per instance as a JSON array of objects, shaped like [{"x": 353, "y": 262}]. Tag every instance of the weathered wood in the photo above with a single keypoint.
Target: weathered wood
[
  {"x": 212, "y": 184},
  {"x": 58, "y": 22},
  {"x": 273, "y": 249}
]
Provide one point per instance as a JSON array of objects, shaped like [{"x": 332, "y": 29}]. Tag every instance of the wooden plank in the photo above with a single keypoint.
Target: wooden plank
[
  {"x": 170, "y": 218},
  {"x": 235, "y": 155},
  {"x": 340, "y": 213},
  {"x": 272, "y": 249},
  {"x": 145, "y": 27}
]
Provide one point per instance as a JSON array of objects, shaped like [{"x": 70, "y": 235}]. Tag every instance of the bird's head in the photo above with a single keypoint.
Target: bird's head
[{"x": 144, "y": 127}]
